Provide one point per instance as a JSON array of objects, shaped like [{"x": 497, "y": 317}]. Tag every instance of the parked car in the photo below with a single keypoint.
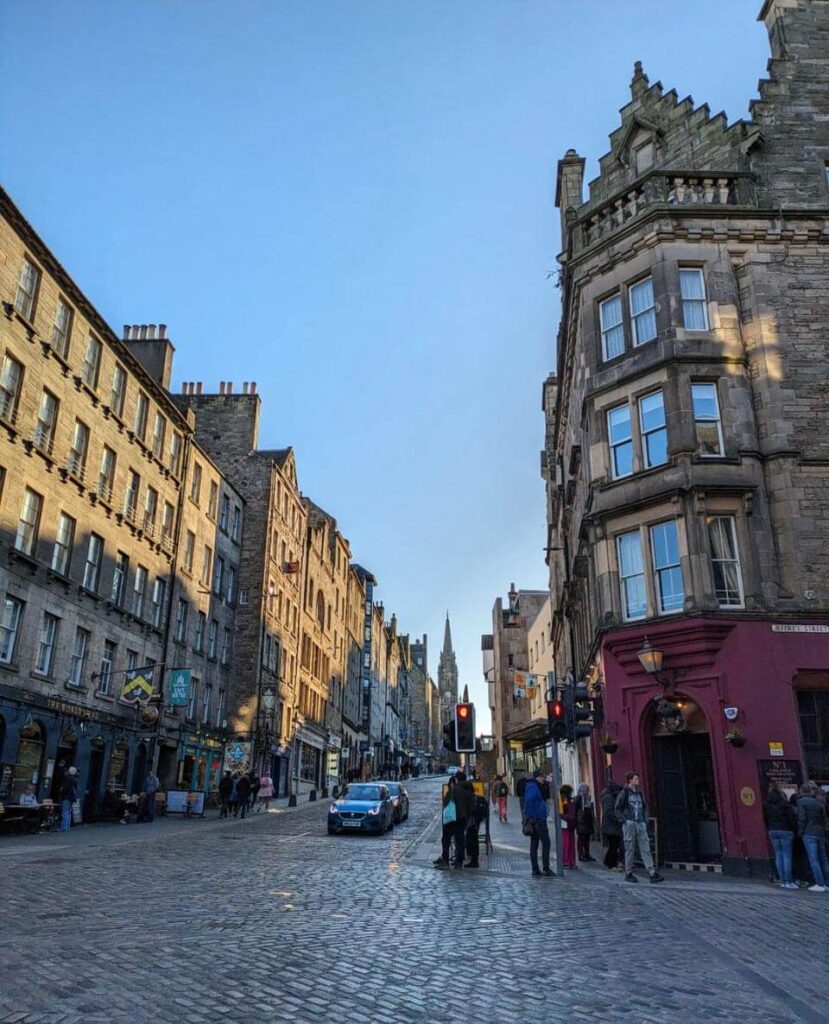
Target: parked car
[
  {"x": 363, "y": 807},
  {"x": 400, "y": 800}
]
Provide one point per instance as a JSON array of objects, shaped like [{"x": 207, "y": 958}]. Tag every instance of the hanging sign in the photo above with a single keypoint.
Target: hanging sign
[
  {"x": 180, "y": 687},
  {"x": 138, "y": 684},
  {"x": 237, "y": 757}
]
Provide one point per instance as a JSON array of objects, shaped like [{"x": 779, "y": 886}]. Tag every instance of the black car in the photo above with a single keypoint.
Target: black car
[
  {"x": 363, "y": 807},
  {"x": 400, "y": 800}
]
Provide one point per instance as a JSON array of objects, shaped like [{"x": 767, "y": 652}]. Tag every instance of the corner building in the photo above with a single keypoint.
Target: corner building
[{"x": 688, "y": 464}]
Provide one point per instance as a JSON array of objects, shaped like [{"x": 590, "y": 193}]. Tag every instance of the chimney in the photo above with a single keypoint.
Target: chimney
[
  {"x": 154, "y": 352},
  {"x": 221, "y": 387},
  {"x": 253, "y": 387},
  {"x": 244, "y": 387},
  {"x": 229, "y": 388},
  {"x": 569, "y": 184},
  {"x": 198, "y": 387}
]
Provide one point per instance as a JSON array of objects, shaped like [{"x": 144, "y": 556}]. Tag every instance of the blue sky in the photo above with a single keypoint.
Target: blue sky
[{"x": 352, "y": 204}]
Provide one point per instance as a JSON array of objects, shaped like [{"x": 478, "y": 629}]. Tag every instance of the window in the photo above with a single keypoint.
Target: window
[
  {"x": 181, "y": 621},
  {"x": 10, "y": 620},
  {"x": 195, "y": 484},
  {"x": 139, "y": 588},
  {"x": 47, "y": 419},
  {"x": 613, "y": 333},
  {"x": 666, "y": 568},
  {"x": 119, "y": 390},
  {"x": 61, "y": 328},
  {"x": 694, "y": 307},
  {"x": 207, "y": 691},
  {"x": 80, "y": 652},
  {"x": 212, "y": 637},
  {"x": 225, "y": 646},
  {"x": 76, "y": 463},
  {"x": 106, "y": 474},
  {"x": 131, "y": 497},
  {"x": 213, "y": 500},
  {"x": 29, "y": 524},
  {"x": 159, "y": 588},
  {"x": 194, "y": 699},
  {"x": 167, "y": 522},
  {"x": 206, "y": 565},
  {"x": 92, "y": 568},
  {"x": 150, "y": 510},
  {"x": 632, "y": 575},
  {"x": 231, "y": 583},
  {"x": 46, "y": 644},
  {"x": 174, "y": 465},
  {"x": 119, "y": 579},
  {"x": 142, "y": 412},
  {"x": 620, "y": 435},
  {"x": 725, "y": 561},
  {"x": 219, "y": 576},
  {"x": 201, "y": 622},
  {"x": 132, "y": 660},
  {"x": 189, "y": 549},
  {"x": 642, "y": 311},
  {"x": 27, "y": 283},
  {"x": 91, "y": 362},
  {"x": 654, "y": 432},
  {"x": 64, "y": 540},
  {"x": 707, "y": 419},
  {"x": 813, "y": 715},
  {"x": 224, "y": 514},
  {"x": 107, "y": 662},
  {"x": 11, "y": 379},
  {"x": 220, "y": 709},
  {"x": 159, "y": 433}
]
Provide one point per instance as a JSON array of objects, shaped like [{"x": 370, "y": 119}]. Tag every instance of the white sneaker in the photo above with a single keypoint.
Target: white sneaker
[
  {"x": 792, "y": 885},
  {"x": 817, "y": 888}
]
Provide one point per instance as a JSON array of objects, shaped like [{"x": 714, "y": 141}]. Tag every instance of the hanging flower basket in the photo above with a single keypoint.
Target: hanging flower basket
[
  {"x": 609, "y": 745},
  {"x": 735, "y": 738}
]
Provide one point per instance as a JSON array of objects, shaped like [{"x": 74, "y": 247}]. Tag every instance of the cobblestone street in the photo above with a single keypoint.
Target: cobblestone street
[{"x": 270, "y": 919}]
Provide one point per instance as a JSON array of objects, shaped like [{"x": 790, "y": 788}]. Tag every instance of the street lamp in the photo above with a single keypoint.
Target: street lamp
[{"x": 650, "y": 658}]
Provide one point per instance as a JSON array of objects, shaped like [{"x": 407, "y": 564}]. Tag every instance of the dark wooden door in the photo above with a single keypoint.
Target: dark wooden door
[{"x": 677, "y": 831}]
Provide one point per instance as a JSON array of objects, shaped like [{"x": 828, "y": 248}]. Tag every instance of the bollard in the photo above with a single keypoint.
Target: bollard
[
  {"x": 312, "y": 796},
  {"x": 324, "y": 792},
  {"x": 292, "y": 800}
]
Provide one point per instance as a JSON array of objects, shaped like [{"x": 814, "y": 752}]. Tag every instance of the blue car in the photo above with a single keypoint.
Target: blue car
[{"x": 363, "y": 807}]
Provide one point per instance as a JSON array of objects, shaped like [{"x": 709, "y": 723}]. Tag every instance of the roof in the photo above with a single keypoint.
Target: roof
[{"x": 279, "y": 455}]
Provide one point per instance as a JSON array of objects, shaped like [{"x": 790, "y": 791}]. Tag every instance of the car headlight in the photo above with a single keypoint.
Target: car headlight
[{"x": 374, "y": 810}]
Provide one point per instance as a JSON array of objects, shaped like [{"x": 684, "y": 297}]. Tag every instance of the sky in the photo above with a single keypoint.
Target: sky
[{"x": 352, "y": 203}]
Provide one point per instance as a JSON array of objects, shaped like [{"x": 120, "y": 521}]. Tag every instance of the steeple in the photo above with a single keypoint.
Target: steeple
[
  {"x": 447, "y": 637},
  {"x": 447, "y": 672}
]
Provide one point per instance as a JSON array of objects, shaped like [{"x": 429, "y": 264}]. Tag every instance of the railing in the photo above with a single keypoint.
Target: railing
[
  {"x": 76, "y": 464},
  {"x": 44, "y": 439},
  {"x": 104, "y": 489},
  {"x": 686, "y": 189},
  {"x": 8, "y": 408}
]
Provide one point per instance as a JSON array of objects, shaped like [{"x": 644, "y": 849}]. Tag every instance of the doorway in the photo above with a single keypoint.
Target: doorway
[
  {"x": 64, "y": 759},
  {"x": 139, "y": 771},
  {"x": 93, "y": 785},
  {"x": 686, "y": 804}
]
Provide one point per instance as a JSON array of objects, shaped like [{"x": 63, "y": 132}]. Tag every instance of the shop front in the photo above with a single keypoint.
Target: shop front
[
  {"x": 200, "y": 763},
  {"x": 309, "y": 765},
  {"x": 727, "y": 700}
]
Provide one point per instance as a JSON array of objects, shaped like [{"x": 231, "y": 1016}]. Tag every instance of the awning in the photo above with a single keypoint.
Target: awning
[{"x": 531, "y": 737}]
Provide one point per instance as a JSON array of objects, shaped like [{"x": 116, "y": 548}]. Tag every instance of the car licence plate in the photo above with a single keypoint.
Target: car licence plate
[{"x": 352, "y": 824}]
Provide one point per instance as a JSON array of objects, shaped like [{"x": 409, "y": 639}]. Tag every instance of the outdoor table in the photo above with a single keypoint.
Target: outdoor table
[{"x": 22, "y": 817}]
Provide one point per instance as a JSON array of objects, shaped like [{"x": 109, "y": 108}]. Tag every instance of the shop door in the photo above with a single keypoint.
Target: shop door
[
  {"x": 686, "y": 802},
  {"x": 64, "y": 758},
  {"x": 139, "y": 772},
  {"x": 93, "y": 785}
]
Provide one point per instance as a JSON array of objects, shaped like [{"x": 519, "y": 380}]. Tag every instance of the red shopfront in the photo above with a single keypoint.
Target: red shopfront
[{"x": 705, "y": 790}]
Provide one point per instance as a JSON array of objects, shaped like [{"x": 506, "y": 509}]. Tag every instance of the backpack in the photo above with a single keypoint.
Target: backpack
[{"x": 502, "y": 790}]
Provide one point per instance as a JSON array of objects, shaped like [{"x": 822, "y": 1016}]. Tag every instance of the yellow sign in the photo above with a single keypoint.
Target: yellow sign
[
  {"x": 138, "y": 685},
  {"x": 775, "y": 750},
  {"x": 478, "y": 788},
  {"x": 748, "y": 796}
]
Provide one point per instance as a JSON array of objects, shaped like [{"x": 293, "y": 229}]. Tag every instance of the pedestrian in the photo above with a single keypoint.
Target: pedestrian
[
  {"x": 28, "y": 798},
  {"x": 233, "y": 802},
  {"x": 520, "y": 789},
  {"x": 632, "y": 812},
  {"x": 151, "y": 787},
  {"x": 464, "y": 796},
  {"x": 501, "y": 796},
  {"x": 811, "y": 827},
  {"x": 585, "y": 821},
  {"x": 225, "y": 789},
  {"x": 448, "y": 817},
  {"x": 781, "y": 822},
  {"x": 611, "y": 828},
  {"x": 479, "y": 813},
  {"x": 68, "y": 796},
  {"x": 568, "y": 826},
  {"x": 253, "y": 779},
  {"x": 265, "y": 794},
  {"x": 536, "y": 812},
  {"x": 242, "y": 795}
]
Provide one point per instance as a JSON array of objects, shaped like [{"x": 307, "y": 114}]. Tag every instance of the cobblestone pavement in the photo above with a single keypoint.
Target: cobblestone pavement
[{"x": 271, "y": 920}]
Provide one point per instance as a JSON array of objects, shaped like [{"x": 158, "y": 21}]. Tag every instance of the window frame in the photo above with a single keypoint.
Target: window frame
[
  {"x": 120, "y": 576},
  {"x": 55, "y": 335},
  {"x": 48, "y": 644},
  {"x": 604, "y": 331},
  {"x": 10, "y": 398},
  {"x": 670, "y": 567},
  {"x": 92, "y": 369},
  {"x": 731, "y": 518},
  {"x": 118, "y": 394},
  {"x": 30, "y": 548},
  {"x": 28, "y": 307},
  {"x": 644, "y": 433},
  {"x": 78, "y": 658},
  {"x": 105, "y": 675},
  {"x": 8, "y": 651},
  {"x": 701, "y": 302},
  {"x": 92, "y": 566},
  {"x": 698, "y": 419},
  {"x": 63, "y": 567},
  {"x": 635, "y": 317},
  {"x": 45, "y": 429},
  {"x": 613, "y": 445}
]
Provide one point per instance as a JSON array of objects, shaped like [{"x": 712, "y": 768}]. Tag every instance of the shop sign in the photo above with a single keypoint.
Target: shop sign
[
  {"x": 180, "y": 687},
  {"x": 237, "y": 757},
  {"x": 778, "y": 627},
  {"x": 787, "y": 774},
  {"x": 775, "y": 749},
  {"x": 63, "y": 707}
]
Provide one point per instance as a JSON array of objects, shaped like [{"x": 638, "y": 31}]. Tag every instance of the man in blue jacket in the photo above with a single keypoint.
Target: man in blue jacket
[{"x": 536, "y": 812}]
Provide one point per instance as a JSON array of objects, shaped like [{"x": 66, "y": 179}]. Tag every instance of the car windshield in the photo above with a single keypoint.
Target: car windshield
[
  {"x": 393, "y": 788},
  {"x": 362, "y": 793}
]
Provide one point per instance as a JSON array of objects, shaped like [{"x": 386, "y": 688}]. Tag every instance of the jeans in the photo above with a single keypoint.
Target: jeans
[
  {"x": 636, "y": 832},
  {"x": 818, "y": 861},
  {"x": 472, "y": 843},
  {"x": 151, "y": 807},
  {"x": 65, "y": 815},
  {"x": 460, "y": 836},
  {"x": 781, "y": 842},
  {"x": 541, "y": 834},
  {"x": 446, "y": 840}
]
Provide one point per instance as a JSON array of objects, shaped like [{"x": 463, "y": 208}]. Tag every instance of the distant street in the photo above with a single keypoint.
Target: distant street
[{"x": 271, "y": 920}]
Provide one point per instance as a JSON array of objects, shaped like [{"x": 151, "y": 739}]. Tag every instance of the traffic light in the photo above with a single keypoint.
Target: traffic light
[
  {"x": 464, "y": 728},
  {"x": 555, "y": 720},
  {"x": 577, "y": 711},
  {"x": 449, "y": 736}
]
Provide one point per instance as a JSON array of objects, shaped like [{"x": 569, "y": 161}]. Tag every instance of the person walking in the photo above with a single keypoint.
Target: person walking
[
  {"x": 225, "y": 789},
  {"x": 611, "y": 828},
  {"x": 781, "y": 823},
  {"x": 585, "y": 822},
  {"x": 536, "y": 812},
  {"x": 68, "y": 796},
  {"x": 811, "y": 827},
  {"x": 265, "y": 794},
  {"x": 253, "y": 779},
  {"x": 632, "y": 812},
  {"x": 568, "y": 826},
  {"x": 242, "y": 795},
  {"x": 151, "y": 787},
  {"x": 449, "y": 815},
  {"x": 502, "y": 795}
]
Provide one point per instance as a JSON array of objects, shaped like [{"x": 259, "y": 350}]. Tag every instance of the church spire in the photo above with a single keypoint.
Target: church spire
[{"x": 447, "y": 637}]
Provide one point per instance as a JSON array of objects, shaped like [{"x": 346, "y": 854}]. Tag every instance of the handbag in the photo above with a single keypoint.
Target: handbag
[
  {"x": 449, "y": 813},
  {"x": 527, "y": 827}
]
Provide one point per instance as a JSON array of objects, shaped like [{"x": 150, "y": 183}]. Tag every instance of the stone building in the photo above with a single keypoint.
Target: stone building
[
  {"x": 355, "y": 736},
  {"x": 688, "y": 485},
  {"x": 419, "y": 703},
  {"x": 511, "y": 708}
]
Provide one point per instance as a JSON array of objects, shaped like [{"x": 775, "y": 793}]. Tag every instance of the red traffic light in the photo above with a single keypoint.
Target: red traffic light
[
  {"x": 555, "y": 709},
  {"x": 463, "y": 711}
]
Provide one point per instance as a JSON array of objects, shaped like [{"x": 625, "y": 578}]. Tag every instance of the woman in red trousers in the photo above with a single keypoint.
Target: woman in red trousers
[{"x": 568, "y": 826}]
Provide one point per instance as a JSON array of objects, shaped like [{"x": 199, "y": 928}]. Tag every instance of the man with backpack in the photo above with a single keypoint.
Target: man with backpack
[{"x": 501, "y": 797}]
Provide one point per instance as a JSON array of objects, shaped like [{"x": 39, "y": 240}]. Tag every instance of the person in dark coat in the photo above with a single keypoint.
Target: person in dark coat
[
  {"x": 811, "y": 827},
  {"x": 464, "y": 796},
  {"x": 225, "y": 789},
  {"x": 68, "y": 796},
  {"x": 242, "y": 794},
  {"x": 611, "y": 829},
  {"x": 781, "y": 824},
  {"x": 480, "y": 812},
  {"x": 568, "y": 826},
  {"x": 253, "y": 779},
  {"x": 585, "y": 821},
  {"x": 537, "y": 811}
]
